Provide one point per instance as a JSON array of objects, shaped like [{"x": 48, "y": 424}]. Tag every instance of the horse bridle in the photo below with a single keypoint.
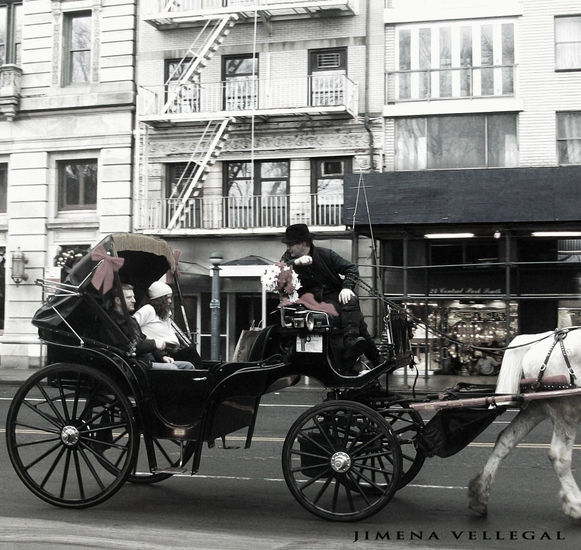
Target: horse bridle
[{"x": 560, "y": 335}]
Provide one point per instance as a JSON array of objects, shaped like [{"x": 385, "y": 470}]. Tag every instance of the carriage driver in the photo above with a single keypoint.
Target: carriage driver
[
  {"x": 331, "y": 279},
  {"x": 145, "y": 348}
]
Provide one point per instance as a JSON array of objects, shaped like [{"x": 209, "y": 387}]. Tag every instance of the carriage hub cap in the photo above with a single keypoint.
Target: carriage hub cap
[
  {"x": 70, "y": 435},
  {"x": 340, "y": 462}
]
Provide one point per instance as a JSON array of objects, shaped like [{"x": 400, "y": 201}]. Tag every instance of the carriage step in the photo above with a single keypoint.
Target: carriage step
[{"x": 172, "y": 470}]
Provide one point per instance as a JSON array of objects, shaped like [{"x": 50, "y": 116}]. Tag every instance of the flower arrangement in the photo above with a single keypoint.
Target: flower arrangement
[
  {"x": 282, "y": 279},
  {"x": 66, "y": 258}
]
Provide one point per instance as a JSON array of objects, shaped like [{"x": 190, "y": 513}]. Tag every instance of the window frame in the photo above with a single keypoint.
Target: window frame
[
  {"x": 67, "y": 49},
  {"x": 559, "y": 139},
  {"x": 317, "y": 97},
  {"x": 61, "y": 188},
  {"x": 321, "y": 211},
  {"x": 191, "y": 102},
  {"x": 248, "y": 101},
  {"x": 425, "y": 121},
  {"x": 253, "y": 213},
  {"x": 12, "y": 48},
  {"x": 560, "y": 18}
]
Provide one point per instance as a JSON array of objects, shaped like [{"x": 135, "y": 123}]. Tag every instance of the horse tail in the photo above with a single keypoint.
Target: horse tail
[{"x": 512, "y": 365}]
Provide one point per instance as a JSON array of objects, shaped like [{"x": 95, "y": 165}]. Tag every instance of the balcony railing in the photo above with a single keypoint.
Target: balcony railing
[
  {"x": 214, "y": 213},
  {"x": 312, "y": 95},
  {"x": 451, "y": 83},
  {"x": 173, "y": 12}
]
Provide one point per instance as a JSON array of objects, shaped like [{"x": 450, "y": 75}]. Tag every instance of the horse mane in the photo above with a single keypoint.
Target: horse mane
[{"x": 511, "y": 369}]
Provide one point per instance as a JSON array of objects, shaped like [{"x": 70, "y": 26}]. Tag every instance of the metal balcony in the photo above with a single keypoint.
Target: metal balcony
[
  {"x": 220, "y": 213},
  {"x": 172, "y": 14},
  {"x": 320, "y": 95}
]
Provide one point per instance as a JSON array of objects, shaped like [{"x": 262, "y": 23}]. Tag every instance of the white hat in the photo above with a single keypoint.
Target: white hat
[{"x": 158, "y": 289}]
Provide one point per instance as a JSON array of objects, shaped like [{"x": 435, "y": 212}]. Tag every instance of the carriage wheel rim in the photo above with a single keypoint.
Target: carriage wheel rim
[
  {"x": 354, "y": 450},
  {"x": 70, "y": 449}
]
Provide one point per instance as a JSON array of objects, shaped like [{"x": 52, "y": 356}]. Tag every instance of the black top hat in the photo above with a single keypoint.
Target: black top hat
[{"x": 297, "y": 233}]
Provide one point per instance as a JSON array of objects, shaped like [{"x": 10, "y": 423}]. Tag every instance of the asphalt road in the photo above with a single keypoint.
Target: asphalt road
[{"x": 239, "y": 500}]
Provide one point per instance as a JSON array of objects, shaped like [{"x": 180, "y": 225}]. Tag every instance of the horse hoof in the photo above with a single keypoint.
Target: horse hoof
[{"x": 478, "y": 509}]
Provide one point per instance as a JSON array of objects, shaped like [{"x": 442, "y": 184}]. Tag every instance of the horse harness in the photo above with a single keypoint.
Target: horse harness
[{"x": 559, "y": 337}]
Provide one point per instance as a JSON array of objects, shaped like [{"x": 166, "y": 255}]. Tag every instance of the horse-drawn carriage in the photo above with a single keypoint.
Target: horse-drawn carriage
[{"x": 97, "y": 416}]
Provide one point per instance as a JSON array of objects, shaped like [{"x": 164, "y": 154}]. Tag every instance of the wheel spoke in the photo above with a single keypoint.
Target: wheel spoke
[
  {"x": 65, "y": 472},
  {"x": 322, "y": 489},
  {"x": 309, "y": 467},
  {"x": 312, "y": 455},
  {"x": 358, "y": 487},
  {"x": 366, "y": 479},
  {"x": 42, "y": 414},
  {"x": 79, "y": 474},
  {"x": 37, "y": 442},
  {"x": 63, "y": 400},
  {"x": 314, "y": 442},
  {"x": 37, "y": 428},
  {"x": 108, "y": 465},
  {"x": 316, "y": 478},
  {"x": 324, "y": 433},
  {"x": 76, "y": 394},
  {"x": 365, "y": 445},
  {"x": 50, "y": 404},
  {"x": 42, "y": 456},
  {"x": 91, "y": 469},
  {"x": 52, "y": 468},
  {"x": 335, "y": 496}
]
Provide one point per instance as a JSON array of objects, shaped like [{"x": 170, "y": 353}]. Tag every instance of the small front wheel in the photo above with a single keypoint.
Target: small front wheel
[
  {"x": 341, "y": 461},
  {"x": 71, "y": 435}
]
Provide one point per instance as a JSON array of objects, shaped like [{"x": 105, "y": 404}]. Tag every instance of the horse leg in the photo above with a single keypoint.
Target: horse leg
[
  {"x": 479, "y": 487},
  {"x": 560, "y": 455}
]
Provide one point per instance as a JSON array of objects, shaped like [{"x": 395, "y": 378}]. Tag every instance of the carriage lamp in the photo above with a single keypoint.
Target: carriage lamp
[
  {"x": 215, "y": 259},
  {"x": 19, "y": 261}
]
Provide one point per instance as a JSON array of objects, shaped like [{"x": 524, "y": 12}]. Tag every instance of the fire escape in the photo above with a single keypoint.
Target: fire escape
[{"x": 184, "y": 101}]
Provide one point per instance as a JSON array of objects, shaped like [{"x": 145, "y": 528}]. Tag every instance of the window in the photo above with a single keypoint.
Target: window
[
  {"x": 241, "y": 83},
  {"x": 262, "y": 204},
  {"x": 328, "y": 190},
  {"x": 179, "y": 175},
  {"x": 3, "y": 187},
  {"x": 569, "y": 138},
  {"x": 328, "y": 69},
  {"x": 568, "y": 43},
  {"x": 77, "y": 181},
  {"x": 77, "y": 48},
  {"x": 10, "y": 31},
  {"x": 466, "y": 141},
  {"x": 182, "y": 95},
  {"x": 453, "y": 60}
]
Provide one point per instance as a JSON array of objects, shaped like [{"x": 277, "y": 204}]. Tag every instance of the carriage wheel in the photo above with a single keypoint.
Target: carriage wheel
[
  {"x": 71, "y": 435},
  {"x": 334, "y": 454},
  {"x": 167, "y": 455},
  {"x": 406, "y": 425}
]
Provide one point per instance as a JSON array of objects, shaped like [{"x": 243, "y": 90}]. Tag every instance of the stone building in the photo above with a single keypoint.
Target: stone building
[{"x": 67, "y": 97}]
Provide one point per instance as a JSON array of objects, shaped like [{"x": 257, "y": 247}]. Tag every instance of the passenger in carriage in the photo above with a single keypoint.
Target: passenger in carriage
[
  {"x": 330, "y": 278},
  {"x": 146, "y": 349},
  {"x": 154, "y": 320}
]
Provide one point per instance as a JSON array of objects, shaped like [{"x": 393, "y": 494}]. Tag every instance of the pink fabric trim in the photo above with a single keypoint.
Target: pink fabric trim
[{"x": 308, "y": 300}]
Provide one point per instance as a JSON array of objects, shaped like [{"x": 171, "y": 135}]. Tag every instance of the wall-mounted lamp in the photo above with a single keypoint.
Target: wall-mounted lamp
[
  {"x": 19, "y": 261},
  {"x": 497, "y": 234}
]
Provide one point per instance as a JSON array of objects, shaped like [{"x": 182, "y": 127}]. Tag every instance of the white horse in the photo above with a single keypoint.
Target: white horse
[{"x": 564, "y": 412}]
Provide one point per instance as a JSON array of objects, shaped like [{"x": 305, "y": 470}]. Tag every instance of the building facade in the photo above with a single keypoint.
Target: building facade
[
  {"x": 67, "y": 103},
  {"x": 480, "y": 193},
  {"x": 250, "y": 114}
]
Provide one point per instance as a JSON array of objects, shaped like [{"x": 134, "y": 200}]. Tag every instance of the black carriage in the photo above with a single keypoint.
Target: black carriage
[{"x": 97, "y": 416}]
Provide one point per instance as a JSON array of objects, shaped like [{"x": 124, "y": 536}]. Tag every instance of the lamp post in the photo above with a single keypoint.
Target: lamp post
[{"x": 215, "y": 259}]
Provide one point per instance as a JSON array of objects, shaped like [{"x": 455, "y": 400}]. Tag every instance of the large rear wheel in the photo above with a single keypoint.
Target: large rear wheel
[
  {"x": 71, "y": 435},
  {"x": 341, "y": 461}
]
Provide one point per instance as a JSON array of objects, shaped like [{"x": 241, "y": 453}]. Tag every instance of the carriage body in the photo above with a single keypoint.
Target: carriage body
[{"x": 108, "y": 416}]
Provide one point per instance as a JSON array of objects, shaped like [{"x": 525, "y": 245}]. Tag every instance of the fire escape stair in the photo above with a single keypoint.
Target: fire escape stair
[{"x": 202, "y": 161}]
